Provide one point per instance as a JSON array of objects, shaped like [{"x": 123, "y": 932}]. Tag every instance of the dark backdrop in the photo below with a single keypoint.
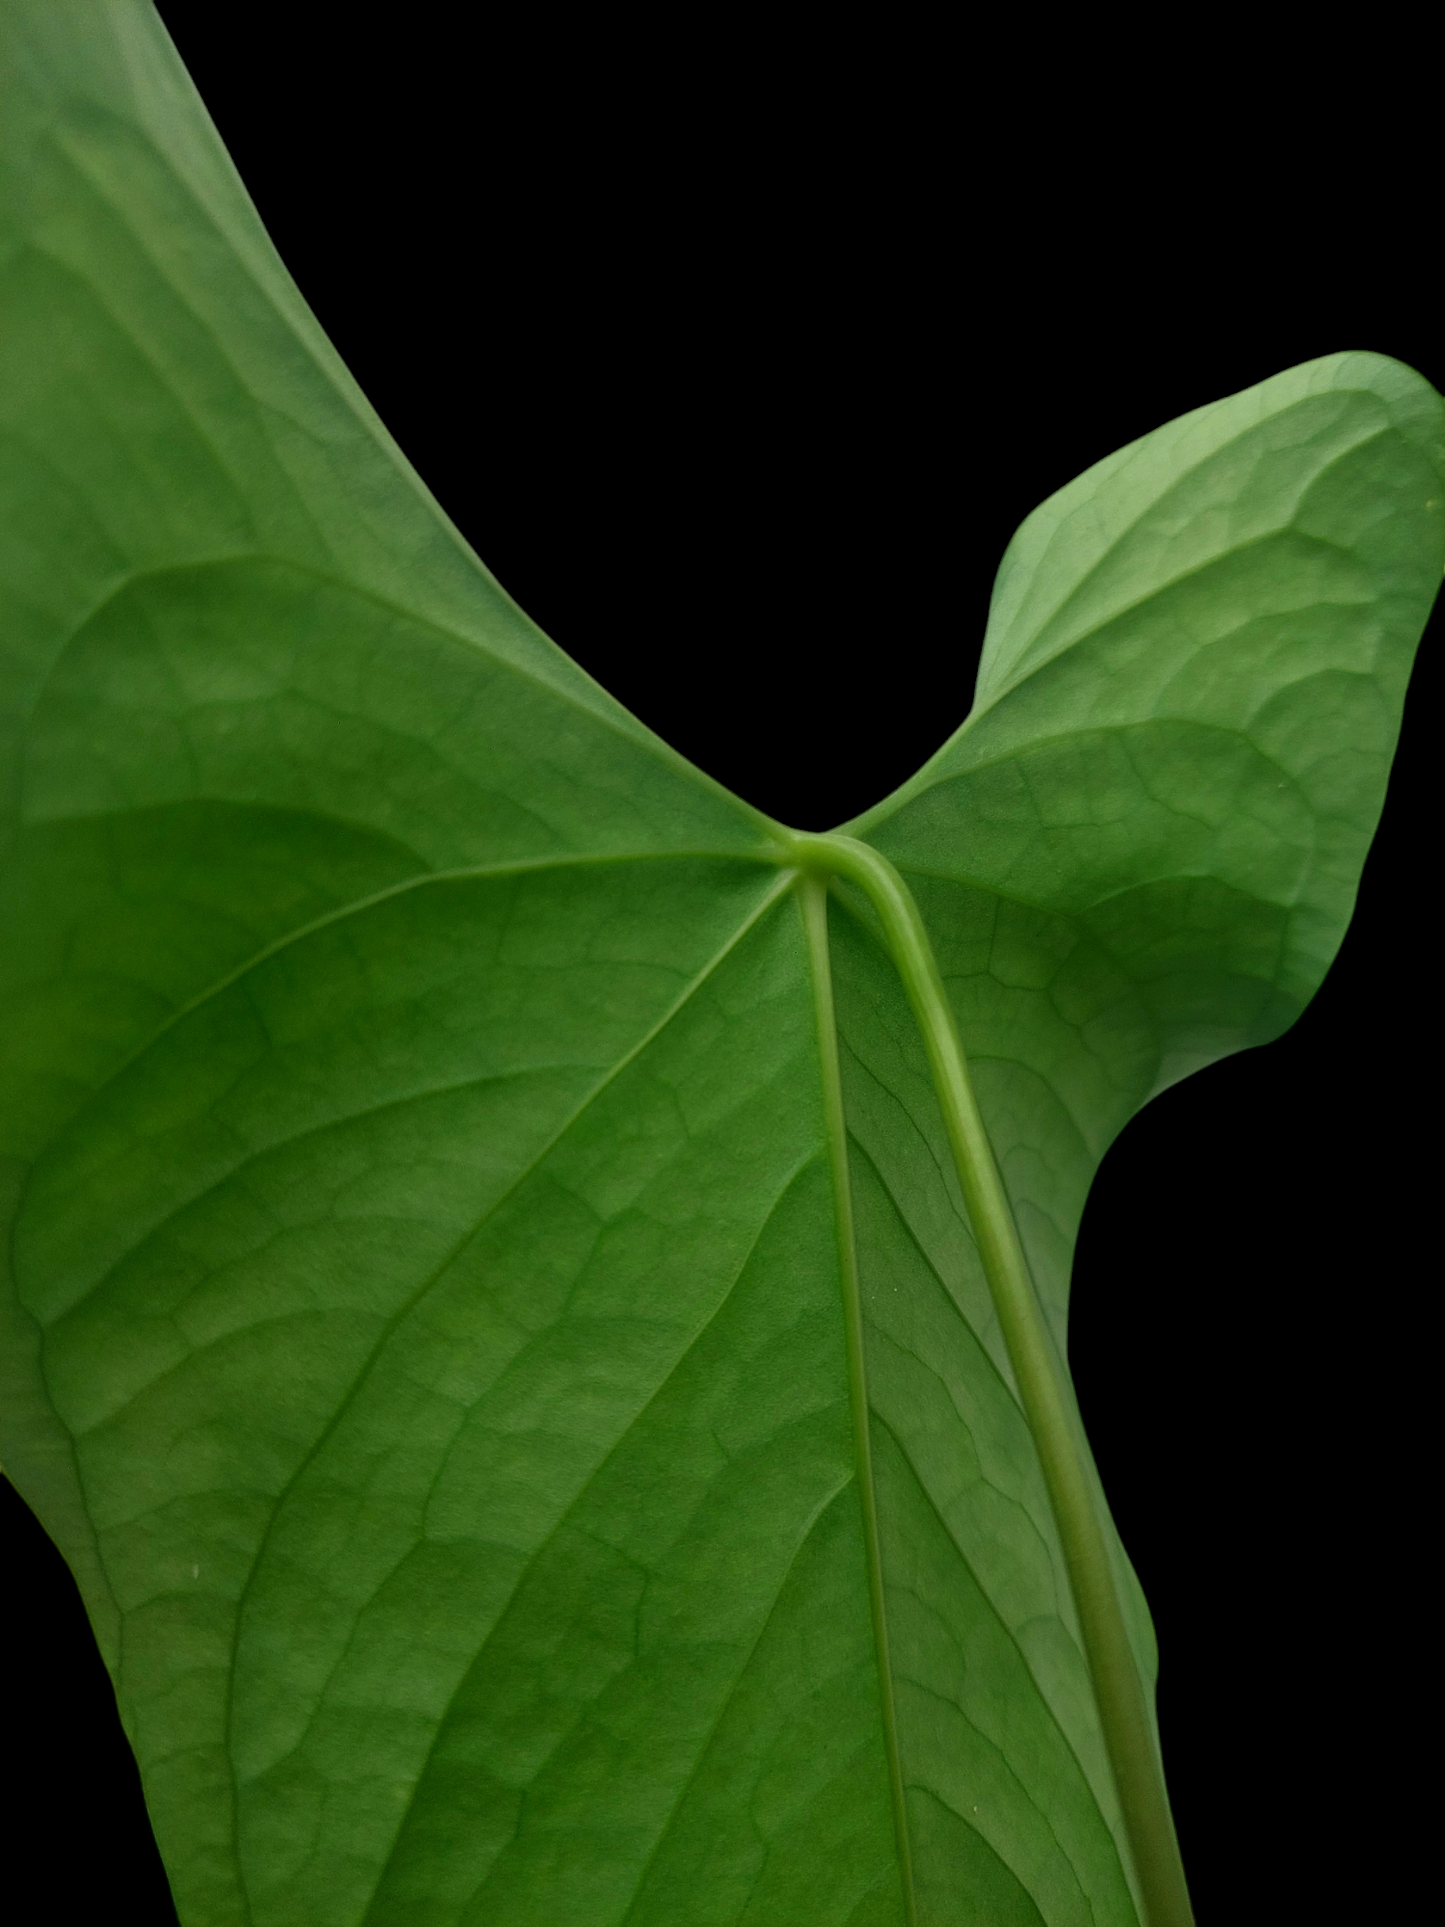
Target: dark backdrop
[{"x": 740, "y": 389}]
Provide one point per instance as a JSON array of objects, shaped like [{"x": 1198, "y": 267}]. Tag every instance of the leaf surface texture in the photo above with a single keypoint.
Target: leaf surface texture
[{"x": 425, "y": 1335}]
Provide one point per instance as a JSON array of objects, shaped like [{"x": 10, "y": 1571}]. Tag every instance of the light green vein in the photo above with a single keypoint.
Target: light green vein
[
  {"x": 1118, "y": 1688},
  {"x": 813, "y": 898},
  {"x": 483, "y": 873},
  {"x": 951, "y": 1538},
  {"x": 420, "y": 1291},
  {"x": 535, "y": 1556},
  {"x": 810, "y": 1526}
]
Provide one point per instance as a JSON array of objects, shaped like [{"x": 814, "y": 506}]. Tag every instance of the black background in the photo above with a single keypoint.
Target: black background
[{"x": 739, "y": 364}]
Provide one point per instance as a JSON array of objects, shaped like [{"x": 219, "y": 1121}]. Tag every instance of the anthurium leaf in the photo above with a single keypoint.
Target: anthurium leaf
[{"x": 500, "y": 1322}]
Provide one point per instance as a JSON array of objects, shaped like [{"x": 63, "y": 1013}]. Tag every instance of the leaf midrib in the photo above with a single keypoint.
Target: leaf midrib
[
  {"x": 1118, "y": 1687},
  {"x": 813, "y": 904}
]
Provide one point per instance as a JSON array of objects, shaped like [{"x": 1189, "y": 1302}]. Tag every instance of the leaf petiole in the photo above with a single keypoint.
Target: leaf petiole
[{"x": 1118, "y": 1689}]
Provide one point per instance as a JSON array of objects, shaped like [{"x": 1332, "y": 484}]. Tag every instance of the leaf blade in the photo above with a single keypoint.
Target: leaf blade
[{"x": 270, "y": 696}]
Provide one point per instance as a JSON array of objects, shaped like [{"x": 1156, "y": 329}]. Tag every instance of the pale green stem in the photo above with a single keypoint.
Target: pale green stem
[{"x": 1118, "y": 1688}]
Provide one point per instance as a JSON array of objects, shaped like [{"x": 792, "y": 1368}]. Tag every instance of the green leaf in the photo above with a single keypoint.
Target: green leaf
[{"x": 514, "y": 1321}]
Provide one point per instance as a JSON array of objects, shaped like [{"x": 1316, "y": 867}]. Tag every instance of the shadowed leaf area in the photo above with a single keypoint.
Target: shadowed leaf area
[{"x": 427, "y": 1327}]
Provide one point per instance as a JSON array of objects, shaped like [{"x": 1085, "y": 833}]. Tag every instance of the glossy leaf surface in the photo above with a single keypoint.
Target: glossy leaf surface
[{"x": 427, "y": 1338}]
